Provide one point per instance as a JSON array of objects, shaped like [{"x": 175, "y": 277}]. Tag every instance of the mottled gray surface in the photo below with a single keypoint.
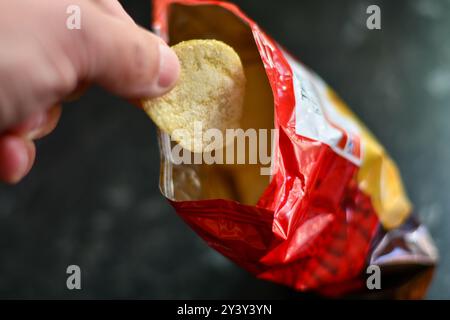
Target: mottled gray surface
[{"x": 92, "y": 198}]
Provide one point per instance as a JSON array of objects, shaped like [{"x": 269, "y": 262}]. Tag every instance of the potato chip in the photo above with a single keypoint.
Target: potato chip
[{"x": 209, "y": 95}]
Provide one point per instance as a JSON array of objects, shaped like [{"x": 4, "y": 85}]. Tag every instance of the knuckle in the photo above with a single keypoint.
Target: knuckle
[{"x": 64, "y": 78}]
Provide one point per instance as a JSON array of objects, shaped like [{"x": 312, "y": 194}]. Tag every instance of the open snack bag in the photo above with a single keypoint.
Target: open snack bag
[{"x": 317, "y": 205}]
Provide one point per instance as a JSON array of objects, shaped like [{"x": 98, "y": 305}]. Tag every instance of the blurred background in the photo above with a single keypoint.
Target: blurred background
[{"x": 92, "y": 198}]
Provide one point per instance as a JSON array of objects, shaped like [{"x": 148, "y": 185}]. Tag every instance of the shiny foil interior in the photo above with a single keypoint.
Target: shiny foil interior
[{"x": 240, "y": 182}]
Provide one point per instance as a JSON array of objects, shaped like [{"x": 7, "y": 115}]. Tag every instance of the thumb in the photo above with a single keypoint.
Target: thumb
[{"x": 125, "y": 58}]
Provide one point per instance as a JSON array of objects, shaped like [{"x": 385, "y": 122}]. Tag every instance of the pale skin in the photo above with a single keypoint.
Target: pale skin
[{"x": 43, "y": 63}]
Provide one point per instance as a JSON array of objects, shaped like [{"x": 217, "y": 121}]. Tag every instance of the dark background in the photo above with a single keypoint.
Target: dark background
[{"x": 93, "y": 200}]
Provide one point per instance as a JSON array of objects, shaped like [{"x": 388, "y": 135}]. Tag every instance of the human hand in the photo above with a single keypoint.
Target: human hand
[{"x": 42, "y": 62}]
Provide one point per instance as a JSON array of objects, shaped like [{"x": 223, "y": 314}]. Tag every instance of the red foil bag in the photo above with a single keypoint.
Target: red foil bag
[{"x": 333, "y": 203}]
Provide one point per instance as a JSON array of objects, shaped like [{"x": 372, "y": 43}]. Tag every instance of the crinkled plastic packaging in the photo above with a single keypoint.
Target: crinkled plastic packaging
[{"x": 333, "y": 204}]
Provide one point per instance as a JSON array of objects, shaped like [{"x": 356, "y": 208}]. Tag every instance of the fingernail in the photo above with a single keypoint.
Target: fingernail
[{"x": 168, "y": 67}]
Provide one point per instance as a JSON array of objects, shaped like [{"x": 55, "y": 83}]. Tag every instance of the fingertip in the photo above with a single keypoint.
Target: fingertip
[
  {"x": 159, "y": 73},
  {"x": 16, "y": 158},
  {"x": 130, "y": 61}
]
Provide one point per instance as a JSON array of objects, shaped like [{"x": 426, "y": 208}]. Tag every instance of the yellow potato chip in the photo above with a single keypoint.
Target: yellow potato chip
[{"x": 208, "y": 95}]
